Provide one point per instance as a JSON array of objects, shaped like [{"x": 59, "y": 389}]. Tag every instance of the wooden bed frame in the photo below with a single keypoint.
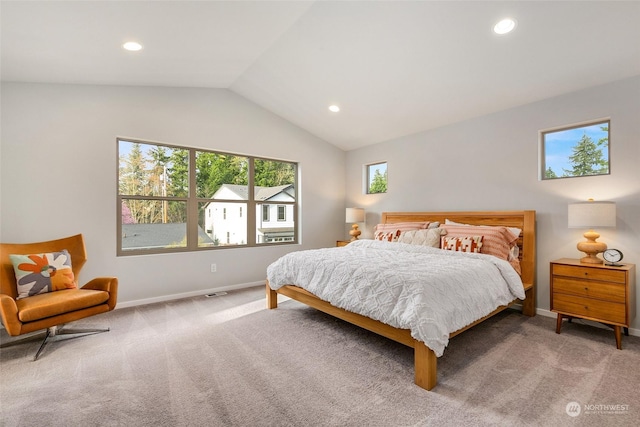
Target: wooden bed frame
[{"x": 425, "y": 360}]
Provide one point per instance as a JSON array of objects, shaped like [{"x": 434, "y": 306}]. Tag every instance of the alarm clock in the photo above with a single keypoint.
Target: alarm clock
[{"x": 612, "y": 256}]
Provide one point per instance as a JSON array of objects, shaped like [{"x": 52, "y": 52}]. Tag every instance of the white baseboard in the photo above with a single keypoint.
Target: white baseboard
[{"x": 187, "y": 294}]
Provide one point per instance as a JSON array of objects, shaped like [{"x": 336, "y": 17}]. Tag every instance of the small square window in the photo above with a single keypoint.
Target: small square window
[{"x": 376, "y": 178}]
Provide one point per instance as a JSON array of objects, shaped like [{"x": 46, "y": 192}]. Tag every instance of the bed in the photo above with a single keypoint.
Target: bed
[{"x": 425, "y": 358}]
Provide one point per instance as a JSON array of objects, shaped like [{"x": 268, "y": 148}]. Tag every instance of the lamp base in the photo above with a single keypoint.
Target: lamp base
[
  {"x": 591, "y": 259},
  {"x": 354, "y": 233},
  {"x": 591, "y": 248}
]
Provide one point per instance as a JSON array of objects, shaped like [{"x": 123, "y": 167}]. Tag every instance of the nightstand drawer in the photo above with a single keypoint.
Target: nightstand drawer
[
  {"x": 595, "y": 309},
  {"x": 605, "y": 275},
  {"x": 591, "y": 289}
]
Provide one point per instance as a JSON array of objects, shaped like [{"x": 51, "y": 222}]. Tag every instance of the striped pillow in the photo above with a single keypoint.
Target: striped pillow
[{"x": 497, "y": 241}]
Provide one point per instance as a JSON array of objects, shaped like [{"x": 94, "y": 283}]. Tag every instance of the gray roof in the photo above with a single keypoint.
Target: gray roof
[
  {"x": 261, "y": 193},
  {"x": 153, "y": 236}
]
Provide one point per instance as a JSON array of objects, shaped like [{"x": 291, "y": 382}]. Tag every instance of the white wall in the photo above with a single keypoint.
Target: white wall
[
  {"x": 58, "y": 176},
  {"x": 491, "y": 163}
]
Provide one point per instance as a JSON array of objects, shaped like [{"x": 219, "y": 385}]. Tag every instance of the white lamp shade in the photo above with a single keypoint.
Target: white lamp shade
[
  {"x": 592, "y": 214},
  {"x": 355, "y": 215}
]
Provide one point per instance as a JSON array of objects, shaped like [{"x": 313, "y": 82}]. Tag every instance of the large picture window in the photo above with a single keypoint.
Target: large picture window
[
  {"x": 175, "y": 199},
  {"x": 573, "y": 151}
]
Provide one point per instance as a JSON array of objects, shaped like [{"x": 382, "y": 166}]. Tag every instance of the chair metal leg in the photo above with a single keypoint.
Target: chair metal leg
[
  {"x": 51, "y": 334},
  {"x": 60, "y": 330},
  {"x": 44, "y": 342}
]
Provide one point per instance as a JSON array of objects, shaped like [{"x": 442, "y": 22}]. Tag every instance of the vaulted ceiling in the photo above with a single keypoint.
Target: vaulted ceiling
[{"x": 393, "y": 67}]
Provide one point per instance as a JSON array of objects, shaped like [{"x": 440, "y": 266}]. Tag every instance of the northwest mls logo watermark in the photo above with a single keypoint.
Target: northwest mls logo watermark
[{"x": 574, "y": 409}]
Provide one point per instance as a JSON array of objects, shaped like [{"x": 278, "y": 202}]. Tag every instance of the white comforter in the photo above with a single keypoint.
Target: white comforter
[{"x": 430, "y": 291}]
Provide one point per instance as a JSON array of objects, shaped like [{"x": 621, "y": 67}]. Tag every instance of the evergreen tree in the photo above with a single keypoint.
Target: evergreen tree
[
  {"x": 213, "y": 170},
  {"x": 549, "y": 173},
  {"x": 379, "y": 183},
  {"x": 133, "y": 182},
  {"x": 178, "y": 184},
  {"x": 270, "y": 173},
  {"x": 157, "y": 174},
  {"x": 587, "y": 158}
]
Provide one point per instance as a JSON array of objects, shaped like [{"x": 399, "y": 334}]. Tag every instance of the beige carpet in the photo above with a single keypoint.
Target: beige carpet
[{"x": 227, "y": 361}]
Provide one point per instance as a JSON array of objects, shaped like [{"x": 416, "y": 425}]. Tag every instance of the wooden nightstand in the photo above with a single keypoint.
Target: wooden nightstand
[
  {"x": 595, "y": 292},
  {"x": 342, "y": 242}
]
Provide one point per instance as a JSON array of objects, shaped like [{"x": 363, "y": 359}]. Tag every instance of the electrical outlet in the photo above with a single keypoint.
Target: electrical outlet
[{"x": 214, "y": 268}]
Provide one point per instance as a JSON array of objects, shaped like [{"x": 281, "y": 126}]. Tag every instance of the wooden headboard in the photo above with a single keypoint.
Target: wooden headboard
[{"x": 525, "y": 220}]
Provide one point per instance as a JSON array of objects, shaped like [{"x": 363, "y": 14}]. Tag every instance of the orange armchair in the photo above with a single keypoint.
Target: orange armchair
[{"x": 50, "y": 311}]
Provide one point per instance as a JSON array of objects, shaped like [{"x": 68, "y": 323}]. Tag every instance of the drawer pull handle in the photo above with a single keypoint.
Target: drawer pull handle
[{"x": 586, "y": 289}]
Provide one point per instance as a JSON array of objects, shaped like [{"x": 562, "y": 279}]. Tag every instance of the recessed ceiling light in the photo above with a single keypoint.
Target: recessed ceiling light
[
  {"x": 132, "y": 46},
  {"x": 504, "y": 26},
  {"x": 334, "y": 108}
]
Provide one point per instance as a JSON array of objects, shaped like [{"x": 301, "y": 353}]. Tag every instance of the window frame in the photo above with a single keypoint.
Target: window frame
[
  {"x": 193, "y": 202},
  {"x": 542, "y": 141},
  {"x": 368, "y": 178}
]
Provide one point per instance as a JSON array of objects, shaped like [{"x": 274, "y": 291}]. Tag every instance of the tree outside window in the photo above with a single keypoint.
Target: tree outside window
[
  {"x": 177, "y": 198},
  {"x": 377, "y": 178},
  {"x": 575, "y": 151}
]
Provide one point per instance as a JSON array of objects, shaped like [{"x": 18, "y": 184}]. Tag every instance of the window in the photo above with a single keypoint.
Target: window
[
  {"x": 181, "y": 199},
  {"x": 376, "y": 178},
  {"x": 573, "y": 151},
  {"x": 282, "y": 213}
]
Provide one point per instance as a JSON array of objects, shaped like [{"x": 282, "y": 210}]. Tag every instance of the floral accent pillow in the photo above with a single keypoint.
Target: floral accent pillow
[
  {"x": 387, "y": 236},
  {"x": 41, "y": 273},
  {"x": 462, "y": 244}
]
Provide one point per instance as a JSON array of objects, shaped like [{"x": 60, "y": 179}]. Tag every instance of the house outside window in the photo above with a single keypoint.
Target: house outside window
[
  {"x": 282, "y": 213},
  {"x": 181, "y": 199}
]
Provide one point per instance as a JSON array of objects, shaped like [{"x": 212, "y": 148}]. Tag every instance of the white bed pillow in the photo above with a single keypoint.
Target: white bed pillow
[{"x": 425, "y": 237}]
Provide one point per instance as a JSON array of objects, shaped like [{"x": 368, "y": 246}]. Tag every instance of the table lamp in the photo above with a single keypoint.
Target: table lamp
[
  {"x": 592, "y": 214},
  {"x": 354, "y": 215}
]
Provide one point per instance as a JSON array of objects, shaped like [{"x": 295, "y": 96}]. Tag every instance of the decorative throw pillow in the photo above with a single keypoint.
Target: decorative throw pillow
[
  {"x": 389, "y": 236},
  {"x": 497, "y": 241},
  {"x": 428, "y": 237},
  {"x": 41, "y": 273},
  {"x": 462, "y": 244}
]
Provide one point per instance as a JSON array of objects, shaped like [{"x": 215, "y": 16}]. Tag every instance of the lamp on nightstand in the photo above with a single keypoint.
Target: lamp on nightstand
[
  {"x": 354, "y": 215},
  {"x": 590, "y": 215}
]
